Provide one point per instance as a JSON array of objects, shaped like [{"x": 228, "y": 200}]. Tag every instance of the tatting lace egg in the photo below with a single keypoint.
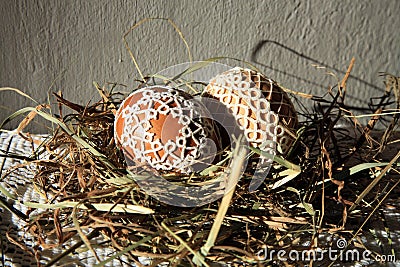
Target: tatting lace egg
[
  {"x": 165, "y": 129},
  {"x": 259, "y": 105}
]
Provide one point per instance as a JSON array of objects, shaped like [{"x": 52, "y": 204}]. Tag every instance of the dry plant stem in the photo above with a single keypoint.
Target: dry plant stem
[
  {"x": 54, "y": 260},
  {"x": 105, "y": 98},
  {"x": 237, "y": 162},
  {"x": 367, "y": 130},
  {"x": 18, "y": 92},
  {"x": 9, "y": 207},
  {"x": 84, "y": 238},
  {"x": 197, "y": 256},
  {"x": 151, "y": 19},
  {"x": 244, "y": 252},
  {"x": 127, "y": 249},
  {"x": 347, "y": 75},
  {"x": 374, "y": 182},
  {"x": 22, "y": 125},
  {"x": 340, "y": 184},
  {"x": 367, "y": 219},
  {"x": 392, "y": 83}
]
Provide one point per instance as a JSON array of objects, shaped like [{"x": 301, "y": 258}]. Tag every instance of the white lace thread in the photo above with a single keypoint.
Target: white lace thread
[{"x": 145, "y": 134}]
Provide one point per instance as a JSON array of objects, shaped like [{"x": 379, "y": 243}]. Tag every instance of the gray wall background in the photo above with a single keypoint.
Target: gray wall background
[{"x": 51, "y": 45}]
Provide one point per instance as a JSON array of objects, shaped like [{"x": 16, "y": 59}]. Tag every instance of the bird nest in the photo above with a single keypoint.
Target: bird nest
[{"x": 333, "y": 180}]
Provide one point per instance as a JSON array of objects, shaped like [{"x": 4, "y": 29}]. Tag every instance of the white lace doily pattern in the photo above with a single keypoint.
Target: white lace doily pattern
[
  {"x": 18, "y": 182},
  {"x": 166, "y": 129},
  {"x": 262, "y": 109}
]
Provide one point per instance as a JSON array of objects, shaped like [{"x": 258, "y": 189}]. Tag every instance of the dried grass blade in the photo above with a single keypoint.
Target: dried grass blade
[
  {"x": 237, "y": 164},
  {"x": 287, "y": 175},
  {"x": 126, "y": 208},
  {"x": 6, "y": 205},
  {"x": 7, "y": 193},
  {"x": 81, "y": 234},
  {"x": 374, "y": 182},
  {"x": 106, "y": 207},
  {"x": 195, "y": 253},
  {"x": 79, "y": 140},
  {"x": 18, "y": 91},
  {"x": 171, "y": 22},
  {"x": 196, "y": 66},
  {"x": 360, "y": 167},
  {"x": 126, "y": 250},
  {"x": 347, "y": 75},
  {"x": 16, "y": 114},
  {"x": 366, "y": 220},
  {"x": 31, "y": 115},
  {"x": 106, "y": 98},
  {"x": 277, "y": 159},
  {"x": 57, "y": 258}
]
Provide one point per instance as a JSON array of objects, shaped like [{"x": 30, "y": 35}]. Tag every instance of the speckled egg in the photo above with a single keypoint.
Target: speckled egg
[{"x": 166, "y": 129}]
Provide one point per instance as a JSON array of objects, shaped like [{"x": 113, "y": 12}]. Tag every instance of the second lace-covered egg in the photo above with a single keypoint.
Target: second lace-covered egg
[{"x": 261, "y": 108}]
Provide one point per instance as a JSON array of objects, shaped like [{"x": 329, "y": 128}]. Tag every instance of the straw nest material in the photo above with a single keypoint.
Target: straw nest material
[{"x": 332, "y": 182}]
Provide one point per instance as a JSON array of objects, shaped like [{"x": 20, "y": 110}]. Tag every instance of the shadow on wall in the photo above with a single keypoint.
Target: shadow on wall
[{"x": 265, "y": 44}]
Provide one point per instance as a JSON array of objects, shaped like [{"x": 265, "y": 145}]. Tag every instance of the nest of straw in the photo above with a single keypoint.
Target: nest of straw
[{"x": 332, "y": 183}]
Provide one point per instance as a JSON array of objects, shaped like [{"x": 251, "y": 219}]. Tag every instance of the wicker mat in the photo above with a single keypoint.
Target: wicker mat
[{"x": 19, "y": 183}]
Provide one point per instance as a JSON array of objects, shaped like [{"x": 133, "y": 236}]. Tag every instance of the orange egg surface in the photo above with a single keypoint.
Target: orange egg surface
[{"x": 166, "y": 129}]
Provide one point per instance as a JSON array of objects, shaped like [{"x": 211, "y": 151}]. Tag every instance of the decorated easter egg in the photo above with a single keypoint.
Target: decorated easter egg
[
  {"x": 166, "y": 129},
  {"x": 261, "y": 108}
]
